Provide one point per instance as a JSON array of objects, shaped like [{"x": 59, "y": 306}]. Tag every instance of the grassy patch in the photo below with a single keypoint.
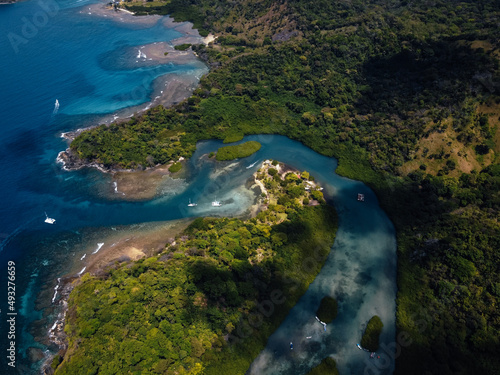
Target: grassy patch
[{"x": 239, "y": 151}]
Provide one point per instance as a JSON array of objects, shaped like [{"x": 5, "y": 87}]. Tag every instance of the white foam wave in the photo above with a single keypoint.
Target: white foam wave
[
  {"x": 99, "y": 245},
  {"x": 53, "y": 326},
  {"x": 84, "y": 255},
  {"x": 55, "y": 292},
  {"x": 82, "y": 271}
]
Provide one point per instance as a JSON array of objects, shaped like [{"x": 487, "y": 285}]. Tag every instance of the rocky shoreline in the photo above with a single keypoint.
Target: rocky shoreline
[
  {"x": 71, "y": 162},
  {"x": 56, "y": 335}
]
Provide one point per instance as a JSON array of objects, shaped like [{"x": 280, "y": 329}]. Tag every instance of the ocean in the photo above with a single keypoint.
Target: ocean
[{"x": 90, "y": 64}]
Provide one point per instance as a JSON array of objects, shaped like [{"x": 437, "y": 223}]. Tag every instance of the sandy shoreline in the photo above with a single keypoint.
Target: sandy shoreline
[{"x": 133, "y": 243}]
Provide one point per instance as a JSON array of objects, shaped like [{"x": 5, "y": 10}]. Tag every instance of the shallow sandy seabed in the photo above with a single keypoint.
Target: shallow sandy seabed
[
  {"x": 132, "y": 242},
  {"x": 143, "y": 185}
]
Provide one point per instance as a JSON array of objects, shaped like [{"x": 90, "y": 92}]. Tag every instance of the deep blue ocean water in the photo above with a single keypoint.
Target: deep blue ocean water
[{"x": 70, "y": 58}]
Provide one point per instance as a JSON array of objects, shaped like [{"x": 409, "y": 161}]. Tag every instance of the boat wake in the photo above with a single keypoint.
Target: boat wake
[{"x": 56, "y": 108}]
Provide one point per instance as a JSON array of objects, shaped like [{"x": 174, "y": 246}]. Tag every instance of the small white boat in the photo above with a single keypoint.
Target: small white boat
[
  {"x": 361, "y": 197},
  {"x": 191, "y": 204},
  {"x": 216, "y": 203},
  {"x": 49, "y": 220}
]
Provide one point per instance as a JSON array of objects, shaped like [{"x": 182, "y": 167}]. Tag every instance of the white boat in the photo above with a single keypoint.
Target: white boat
[
  {"x": 49, "y": 220},
  {"x": 191, "y": 204},
  {"x": 216, "y": 203}
]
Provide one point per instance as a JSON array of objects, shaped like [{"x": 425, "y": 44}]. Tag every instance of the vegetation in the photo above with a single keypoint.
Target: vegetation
[
  {"x": 207, "y": 302},
  {"x": 238, "y": 151},
  {"x": 326, "y": 367},
  {"x": 230, "y": 138},
  {"x": 370, "y": 339},
  {"x": 176, "y": 167},
  {"x": 377, "y": 85},
  {"x": 182, "y": 47},
  {"x": 327, "y": 310}
]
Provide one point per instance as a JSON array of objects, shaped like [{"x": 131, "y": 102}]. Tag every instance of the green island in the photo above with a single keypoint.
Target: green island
[
  {"x": 188, "y": 310},
  {"x": 327, "y": 310},
  {"x": 326, "y": 367},
  {"x": 370, "y": 339},
  {"x": 237, "y": 151},
  {"x": 406, "y": 95}
]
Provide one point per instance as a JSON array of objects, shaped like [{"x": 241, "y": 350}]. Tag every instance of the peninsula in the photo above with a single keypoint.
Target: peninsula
[{"x": 189, "y": 303}]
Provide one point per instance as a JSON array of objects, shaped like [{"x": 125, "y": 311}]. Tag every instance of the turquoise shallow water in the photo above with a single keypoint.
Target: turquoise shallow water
[{"x": 69, "y": 59}]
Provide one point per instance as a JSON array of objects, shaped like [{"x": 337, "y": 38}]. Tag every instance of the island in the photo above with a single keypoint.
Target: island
[
  {"x": 370, "y": 339},
  {"x": 242, "y": 150}
]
